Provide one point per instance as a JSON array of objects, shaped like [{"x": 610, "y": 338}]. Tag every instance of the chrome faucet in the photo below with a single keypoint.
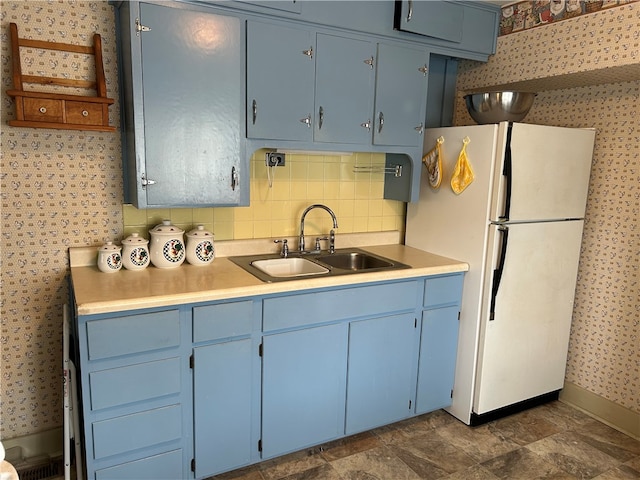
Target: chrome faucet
[{"x": 332, "y": 236}]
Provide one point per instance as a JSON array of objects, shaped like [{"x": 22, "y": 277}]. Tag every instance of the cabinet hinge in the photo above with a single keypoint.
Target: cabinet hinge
[
  {"x": 260, "y": 445},
  {"x": 260, "y": 350},
  {"x": 141, "y": 28},
  {"x": 191, "y": 361},
  {"x": 193, "y": 464}
]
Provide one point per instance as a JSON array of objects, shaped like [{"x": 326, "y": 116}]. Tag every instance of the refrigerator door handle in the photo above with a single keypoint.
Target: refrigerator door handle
[
  {"x": 497, "y": 273},
  {"x": 506, "y": 171}
]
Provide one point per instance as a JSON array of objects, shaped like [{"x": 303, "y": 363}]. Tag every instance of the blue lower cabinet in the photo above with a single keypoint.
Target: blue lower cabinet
[
  {"x": 166, "y": 466},
  {"x": 303, "y": 388},
  {"x": 223, "y": 379},
  {"x": 382, "y": 366},
  {"x": 437, "y": 365}
]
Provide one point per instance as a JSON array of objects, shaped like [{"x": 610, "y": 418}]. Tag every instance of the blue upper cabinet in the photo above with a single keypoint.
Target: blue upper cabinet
[
  {"x": 280, "y": 81},
  {"x": 183, "y": 79},
  {"x": 345, "y": 78},
  {"x": 401, "y": 89},
  {"x": 468, "y": 26}
]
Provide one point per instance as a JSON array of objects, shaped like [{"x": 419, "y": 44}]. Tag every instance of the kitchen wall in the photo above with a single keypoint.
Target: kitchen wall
[
  {"x": 587, "y": 73},
  {"x": 64, "y": 188}
]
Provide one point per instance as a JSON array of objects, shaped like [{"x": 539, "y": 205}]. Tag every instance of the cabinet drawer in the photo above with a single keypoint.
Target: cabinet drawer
[
  {"x": 443, "y": 290},
  {"x": 133, "y": 334},
  {"x": 223, "y": 320},
  {"x": 139, "y": 430},
  {"x": 43, "y": 110},
  {"x": 166, "y": 466},
  {"x": 119, "y": 386},
  {"x": 328, "y": 306},
  {"x": 83, "y": 113}
]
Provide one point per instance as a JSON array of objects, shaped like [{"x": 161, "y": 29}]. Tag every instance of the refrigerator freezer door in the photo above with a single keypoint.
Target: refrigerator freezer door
[
  {"x": 523, "y": 350},
  {"x": 550, "y": 169}
]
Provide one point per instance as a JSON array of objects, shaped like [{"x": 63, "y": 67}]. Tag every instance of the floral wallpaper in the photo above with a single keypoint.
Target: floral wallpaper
[
  {"x": 59, "y": 188},
  {"x": 604, "y": 352}
]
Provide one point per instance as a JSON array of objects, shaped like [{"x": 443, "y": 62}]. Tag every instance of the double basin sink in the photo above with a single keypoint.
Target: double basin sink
[{"x": 274, "y": 268}]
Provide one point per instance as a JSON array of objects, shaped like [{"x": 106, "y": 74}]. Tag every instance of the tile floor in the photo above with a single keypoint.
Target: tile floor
[{"x": 552, "y": 441}]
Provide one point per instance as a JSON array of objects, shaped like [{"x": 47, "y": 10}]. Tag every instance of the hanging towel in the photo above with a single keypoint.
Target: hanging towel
[
  {"x": 433, "y": 161},
  {"x": 462, "y": 173}
]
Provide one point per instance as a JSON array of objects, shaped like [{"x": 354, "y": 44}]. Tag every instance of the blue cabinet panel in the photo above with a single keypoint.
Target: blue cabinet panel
[
  {"x": 223, "y": 320},
  {"x": 332, "y": 305},
  {"x": 443, "y": 290},
  {"x": 139, "y": 430},
  {"x": 401, "y": 92},
  {"x": 280, "y": 81},
  {"x": 223, "y": 382},
  {"x": 124, "y": 335},
  {"x": 438, "y": 349},
  {"x": 381, "y": 378},
  {"x": 134, "y": 383},
  {"x": 344, "y": 90},
  {"x": 304, "y": 383},
  {"x": 166, "y": 466}
]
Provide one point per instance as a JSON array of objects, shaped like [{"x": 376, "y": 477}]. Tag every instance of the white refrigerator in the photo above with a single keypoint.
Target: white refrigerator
[{"x": 518, "y": 225}]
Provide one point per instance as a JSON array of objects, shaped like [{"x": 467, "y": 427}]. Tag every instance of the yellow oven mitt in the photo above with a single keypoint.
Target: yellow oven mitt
[
  {"x": 462, "y": 173},
  {"x": 433, "y": 161}
]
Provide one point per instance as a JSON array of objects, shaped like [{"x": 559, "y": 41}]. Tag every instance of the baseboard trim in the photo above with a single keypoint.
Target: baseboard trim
[{"x": 606, "y": 411}]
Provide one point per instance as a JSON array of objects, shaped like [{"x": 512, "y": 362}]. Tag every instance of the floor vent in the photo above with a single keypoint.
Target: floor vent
[{"x": 41, "y": 470}]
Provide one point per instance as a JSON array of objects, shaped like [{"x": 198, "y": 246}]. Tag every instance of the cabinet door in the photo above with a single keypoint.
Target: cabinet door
[
  {"x": 222, "y": 406},
  {"x": 438, "y": 349},
  {"x": 192, "y": 87},
  {"x": 344, "y": 90},
  {"x": 401, "y": 93},
  {"x": 280, "y": 72},
  {"x": 381, "y": 378},
  {"x": 303, "y": 388}
]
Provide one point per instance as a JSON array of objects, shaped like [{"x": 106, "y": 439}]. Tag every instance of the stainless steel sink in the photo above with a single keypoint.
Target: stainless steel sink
[
  {"x": 274, "y": 268},
  {"x": 355, "y": 261},
  {"x": 289, "y": 267}
]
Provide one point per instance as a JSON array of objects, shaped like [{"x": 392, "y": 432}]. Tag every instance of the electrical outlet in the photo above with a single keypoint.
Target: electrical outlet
[{"x": 274, "y": 159}]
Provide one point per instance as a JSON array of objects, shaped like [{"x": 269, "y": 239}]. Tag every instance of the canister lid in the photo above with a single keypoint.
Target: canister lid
[
  {"x": 109, "y": 247},
  {"x": 135, "y": 239},
  {"x": 166, "y": 227},
  {"x": 199, "y": 232}
]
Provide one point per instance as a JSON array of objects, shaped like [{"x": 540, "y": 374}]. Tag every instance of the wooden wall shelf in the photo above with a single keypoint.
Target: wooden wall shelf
[{"x": 56, "y": 110}]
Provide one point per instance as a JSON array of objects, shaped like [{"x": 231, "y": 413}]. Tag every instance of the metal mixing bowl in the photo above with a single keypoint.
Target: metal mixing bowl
[{"x": 495, "y": 107}]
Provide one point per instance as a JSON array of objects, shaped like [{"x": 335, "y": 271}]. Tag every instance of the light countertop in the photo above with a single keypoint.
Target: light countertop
[{"x": 97, "y": 292}]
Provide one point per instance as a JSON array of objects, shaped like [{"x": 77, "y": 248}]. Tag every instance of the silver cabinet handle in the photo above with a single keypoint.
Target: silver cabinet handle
[
  {"x": 380, "y": 122},
  {"x": 420, "y": 129},
  {"x": 410, "y": 12},
  {"x": 366, "y": 125},
  {"x": 306, "y": 120},
  {"x": 423, "y": 70},
  {"x": 369, "y": 61},
  {"x": 235, "y": 179},
  {"x": 308, "y": 53},
  {"x": 320, "y": 117},
  {"x": 254, "y": 110}
]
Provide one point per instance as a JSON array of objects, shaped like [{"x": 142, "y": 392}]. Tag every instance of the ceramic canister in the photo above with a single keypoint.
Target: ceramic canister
[
  {"x": 135, "y": 253},
  {"x": 166, "y": 246},
  {"x": 109, "y": 258},
  {"x": 200, "y": 249}
]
